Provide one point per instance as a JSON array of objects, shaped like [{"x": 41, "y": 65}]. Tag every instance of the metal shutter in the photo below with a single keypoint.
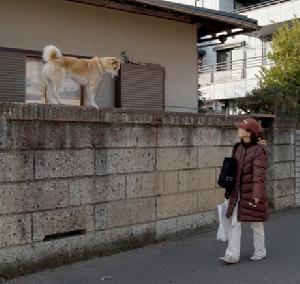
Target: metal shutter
[
  {"x": 141, "y": 87},
  {"x": 12, "y": 76},
  {"x": 297, "y": 166}
]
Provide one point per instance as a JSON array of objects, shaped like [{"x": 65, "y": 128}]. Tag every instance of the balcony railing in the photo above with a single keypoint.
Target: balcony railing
[
  {"x": 270, "y": 12},
  {"x": 231, "y": 71},
  {"x": 258, "y": 5},
  {"x": 218, "y": 82}
]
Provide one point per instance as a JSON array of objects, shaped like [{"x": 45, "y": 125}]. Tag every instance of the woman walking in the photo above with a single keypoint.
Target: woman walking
[{"x": 248, "y": 201}]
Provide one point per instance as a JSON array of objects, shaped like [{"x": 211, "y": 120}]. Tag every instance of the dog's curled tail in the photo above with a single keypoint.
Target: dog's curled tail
[{"x": 50, "y": 53}]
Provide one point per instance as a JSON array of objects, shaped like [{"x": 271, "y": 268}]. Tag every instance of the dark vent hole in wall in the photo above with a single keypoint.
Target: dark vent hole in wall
[{"x": 64, "y": 235}]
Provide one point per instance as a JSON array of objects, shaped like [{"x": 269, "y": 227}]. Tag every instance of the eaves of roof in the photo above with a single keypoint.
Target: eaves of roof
[{"x": 209, "y": 22}]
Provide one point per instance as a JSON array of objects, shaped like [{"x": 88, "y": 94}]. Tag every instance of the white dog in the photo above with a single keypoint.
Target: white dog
[{"x": 86, "y": 72}]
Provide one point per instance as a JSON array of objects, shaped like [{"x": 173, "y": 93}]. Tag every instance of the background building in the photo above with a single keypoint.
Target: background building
[{"x": 229, "y": 68}]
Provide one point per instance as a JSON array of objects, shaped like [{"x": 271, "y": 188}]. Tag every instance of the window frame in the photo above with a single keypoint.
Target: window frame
[
  {"x": 225, "y": 65},
  {"x": 38, "y": 54}
]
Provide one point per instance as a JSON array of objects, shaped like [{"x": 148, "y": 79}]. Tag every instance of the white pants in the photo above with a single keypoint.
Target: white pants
[{"x": 234, "y": 237}]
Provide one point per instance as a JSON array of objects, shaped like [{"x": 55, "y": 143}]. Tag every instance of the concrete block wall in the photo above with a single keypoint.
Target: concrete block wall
[
  {"x": 281, "y": 170},
  {"x": 77, "y": 182}
]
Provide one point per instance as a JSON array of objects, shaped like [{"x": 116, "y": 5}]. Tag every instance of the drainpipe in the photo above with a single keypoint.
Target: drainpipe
[
  {"x": 244, "y": 70},
  {"x": 263, "y": 51}
]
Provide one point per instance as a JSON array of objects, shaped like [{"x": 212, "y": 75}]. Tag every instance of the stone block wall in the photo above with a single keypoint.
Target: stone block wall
[
  {"x": 281, "y": 171},
  {"x": 77, "y": 182}
]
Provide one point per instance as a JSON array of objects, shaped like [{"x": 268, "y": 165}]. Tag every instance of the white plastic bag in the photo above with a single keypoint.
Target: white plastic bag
[{"x": 222, "y": 233}]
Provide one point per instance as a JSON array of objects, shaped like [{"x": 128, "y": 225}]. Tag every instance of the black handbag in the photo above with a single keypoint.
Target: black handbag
[{"x": 227, "y": 175}]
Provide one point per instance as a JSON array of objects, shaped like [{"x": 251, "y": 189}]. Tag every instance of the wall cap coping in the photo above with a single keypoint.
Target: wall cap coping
[{"x": 65, "y": 113}]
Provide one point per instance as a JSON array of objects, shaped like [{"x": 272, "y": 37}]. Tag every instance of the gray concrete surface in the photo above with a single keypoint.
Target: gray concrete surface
[{"x": 192, "y": 260}]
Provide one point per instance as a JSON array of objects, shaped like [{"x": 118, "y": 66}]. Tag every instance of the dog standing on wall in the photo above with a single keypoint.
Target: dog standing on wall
[{"x": 86, "y": 72}]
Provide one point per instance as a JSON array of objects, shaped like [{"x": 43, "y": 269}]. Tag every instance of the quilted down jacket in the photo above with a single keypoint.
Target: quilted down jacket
[{"x": 250, "y": 183}]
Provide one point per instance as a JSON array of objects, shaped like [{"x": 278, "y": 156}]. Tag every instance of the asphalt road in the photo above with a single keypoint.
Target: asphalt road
[{"x": 192, "y": 260}]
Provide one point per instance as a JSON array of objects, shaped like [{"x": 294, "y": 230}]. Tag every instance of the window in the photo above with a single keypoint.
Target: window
[
  {"x": 224, "y": 59},
  {"x": 36, "y": 89},
  {"x": 71, "y": 94}
]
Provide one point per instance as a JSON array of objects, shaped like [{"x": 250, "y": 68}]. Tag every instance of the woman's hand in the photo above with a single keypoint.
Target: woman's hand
[
  {"x": 227, "y": 195},
  {"x": 256, "y": 200}
]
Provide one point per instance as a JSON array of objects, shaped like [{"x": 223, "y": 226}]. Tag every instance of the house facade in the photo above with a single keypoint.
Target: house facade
[{"x": 155, "y": 32}]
